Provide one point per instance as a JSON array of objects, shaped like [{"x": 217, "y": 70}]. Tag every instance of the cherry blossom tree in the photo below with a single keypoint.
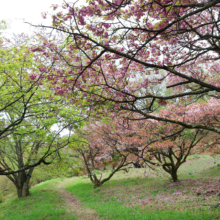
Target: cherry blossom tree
[
  {"x": 171, "y": 151},
  {"x": 136, "y": 56},
  {"x": 160, "y": 143},
  {"x": 102, "y": 147},
  {"x": 118, "y": 144}
]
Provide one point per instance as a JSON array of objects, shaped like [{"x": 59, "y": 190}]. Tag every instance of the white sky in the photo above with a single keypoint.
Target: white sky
[{"x": 14, "y": 11}]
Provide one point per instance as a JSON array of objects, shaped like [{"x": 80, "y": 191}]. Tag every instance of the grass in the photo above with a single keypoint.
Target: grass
[
  {"x": 139, "y": 194},
  {"x": 155, "y": 197},
  {"x": 44, "y": 203},
  {"x": 114, "y": 208}
]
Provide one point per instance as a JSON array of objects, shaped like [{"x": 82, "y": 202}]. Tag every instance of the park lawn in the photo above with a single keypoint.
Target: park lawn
[
  {"x": 144, "y": 194},
  {"x": 139, "y": 194},
  {"x": 44, "y": 203}
]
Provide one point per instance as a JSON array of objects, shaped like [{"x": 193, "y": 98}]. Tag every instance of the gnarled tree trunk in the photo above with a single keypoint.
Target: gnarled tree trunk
[
  {"x": 172, "y": 170},
  {"x": 23, "y": 189},
  {"x": 173, "y": 174},
  {"x": 22, "y": 182}
]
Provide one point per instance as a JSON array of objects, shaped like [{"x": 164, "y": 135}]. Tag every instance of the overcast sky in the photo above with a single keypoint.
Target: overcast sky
[{"x": 13, "y": 11}]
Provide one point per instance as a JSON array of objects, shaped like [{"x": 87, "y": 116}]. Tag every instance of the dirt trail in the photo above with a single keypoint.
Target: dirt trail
[{"x": 73, "y": 205}]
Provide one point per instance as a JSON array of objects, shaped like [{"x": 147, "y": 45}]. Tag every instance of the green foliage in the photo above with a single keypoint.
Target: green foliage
[
  {"x": 6, "y": 187},
  {"x": 3, "y": 25},
  {"x": 32, "y": 116},
  {"x": 189, "y": 134},
  {"x": 67, "y": 164}
]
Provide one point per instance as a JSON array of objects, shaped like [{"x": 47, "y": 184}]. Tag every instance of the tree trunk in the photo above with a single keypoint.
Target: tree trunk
[
  {"x": 23, "y": 190},
  {"x": 174, "y": 175},
  {"x": 172, "y": 170},
  {"x": 22, "y": 183},
  {"x": 97, "y": 184}
]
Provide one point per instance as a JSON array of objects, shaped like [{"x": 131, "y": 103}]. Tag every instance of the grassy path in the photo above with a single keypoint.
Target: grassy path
[
  {"x": 73, "y": 206},
  {"x": 48, "y": 201}
]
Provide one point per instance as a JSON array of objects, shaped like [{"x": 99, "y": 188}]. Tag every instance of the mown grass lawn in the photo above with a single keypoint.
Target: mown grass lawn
[
  {"x": 139, "y": 194},
  {"x": 143, "y": 194},
  {"x": 44, "y": 203}
]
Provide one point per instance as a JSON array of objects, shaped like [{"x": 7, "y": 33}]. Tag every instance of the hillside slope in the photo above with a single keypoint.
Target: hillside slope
[{"x": 139, "y": 194}]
